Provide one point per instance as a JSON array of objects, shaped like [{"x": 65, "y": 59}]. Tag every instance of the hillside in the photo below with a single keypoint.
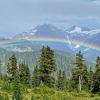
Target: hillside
[{"x": 30, "y": 55}]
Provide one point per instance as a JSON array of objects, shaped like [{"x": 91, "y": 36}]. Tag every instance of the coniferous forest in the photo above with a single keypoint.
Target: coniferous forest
[{"x": 47, "y": 82}]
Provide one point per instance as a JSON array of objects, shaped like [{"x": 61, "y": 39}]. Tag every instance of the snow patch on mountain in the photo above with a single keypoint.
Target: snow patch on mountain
[
  {"x": 17, "y": 49},
  {"x": 93, "y": 32},
  {"x": 76, "y": 30},
  {"x": 77, "y": 46},
  {"x": 87, "y": 49},
  {"x": 82, "y": 31}
]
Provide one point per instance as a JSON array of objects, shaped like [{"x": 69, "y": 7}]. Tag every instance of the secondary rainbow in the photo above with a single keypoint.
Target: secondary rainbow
[{"x": 55, "y": 40}]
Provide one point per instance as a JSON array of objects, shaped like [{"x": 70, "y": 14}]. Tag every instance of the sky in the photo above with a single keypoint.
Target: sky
[{"x": 17, "y": 16}]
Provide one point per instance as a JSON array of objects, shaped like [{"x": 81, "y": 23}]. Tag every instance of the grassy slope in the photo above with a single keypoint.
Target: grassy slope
[{"x": 45, "y": 93}]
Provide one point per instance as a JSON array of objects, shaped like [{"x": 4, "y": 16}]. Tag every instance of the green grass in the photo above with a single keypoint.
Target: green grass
[{"x": 46, "y": 93}]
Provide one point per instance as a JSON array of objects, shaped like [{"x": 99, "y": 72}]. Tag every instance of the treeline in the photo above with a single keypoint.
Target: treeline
[{"x": 46, "y": 73}]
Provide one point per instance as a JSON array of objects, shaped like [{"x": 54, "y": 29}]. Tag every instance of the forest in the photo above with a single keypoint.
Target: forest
[{"x": 46, "y": 82}]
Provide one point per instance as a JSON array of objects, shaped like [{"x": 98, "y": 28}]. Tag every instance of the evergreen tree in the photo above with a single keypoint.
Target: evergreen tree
[
  {"x": 16, "y": 81},
  {"x": 24, "y": 74},
  {"x": 62, "y": 80},
  {"x": 16, "y": 88},
  {"x": 11, "y": 67},
  {"x": 36, "y": 77},
  {"x": 47, "y": 66},
  {"x": 96, "y": 78},
  {"x": 80, "y": 73}
]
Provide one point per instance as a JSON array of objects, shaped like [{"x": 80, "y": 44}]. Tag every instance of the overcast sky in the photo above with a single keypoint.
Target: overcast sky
[{"x": 17, "y": 16}]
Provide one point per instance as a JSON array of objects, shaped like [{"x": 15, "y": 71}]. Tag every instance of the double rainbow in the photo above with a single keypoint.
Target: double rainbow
[{"x": 54, "y": 40}]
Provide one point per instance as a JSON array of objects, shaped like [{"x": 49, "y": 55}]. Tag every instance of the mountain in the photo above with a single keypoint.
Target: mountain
[
  {"x": 29, "y": 51},
  {"x": 45, "y": 30},
  {"x": 87, "y": 36},
  {"x": 84, "y": 34},
  {"x": 50, "y": 31},
  {"x": 30, "y": 55}
]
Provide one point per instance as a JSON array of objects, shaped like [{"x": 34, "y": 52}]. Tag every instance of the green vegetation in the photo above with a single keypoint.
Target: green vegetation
[
  {"x": 48, "y": 83},
  {"x": 80, "y": 73}
]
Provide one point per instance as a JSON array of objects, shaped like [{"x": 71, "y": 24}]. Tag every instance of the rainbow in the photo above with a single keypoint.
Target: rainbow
[{"x": 54, "y": 40}]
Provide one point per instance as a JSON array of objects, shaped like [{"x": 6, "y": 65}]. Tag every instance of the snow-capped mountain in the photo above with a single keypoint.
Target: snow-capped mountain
[
  {"x": 83, "y": 31},
  {"x": 45, "y": 30},
  {"x": 84, "y": 34}
]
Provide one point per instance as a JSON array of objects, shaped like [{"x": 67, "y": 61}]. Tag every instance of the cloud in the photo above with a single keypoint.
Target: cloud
[{"x": 21, "y": 15}]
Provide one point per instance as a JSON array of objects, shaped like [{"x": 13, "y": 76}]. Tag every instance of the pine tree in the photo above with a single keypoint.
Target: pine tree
[
  {"x": 80, "y": 73},
  {"x": 16, "y": 88},
  {"x": 16, "y": 82},
  {"x": 62, "y": 80},
  {"x": 24, "y": 74},
  {"x": 36, "y": 77},
  {"x": 11, "y": 67},
  {"x": 47, "y": 66},
  {"x": 96, "y": 78}
]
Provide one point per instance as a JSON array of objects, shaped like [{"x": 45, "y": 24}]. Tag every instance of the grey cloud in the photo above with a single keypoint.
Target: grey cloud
[{"x": 20, "y": 14}]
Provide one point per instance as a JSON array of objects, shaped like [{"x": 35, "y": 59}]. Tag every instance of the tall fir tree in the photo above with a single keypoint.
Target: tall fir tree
[
  {"x": 80, "y": 74},
  {"x": 11, "y": 67},
  {"x": 15, "y": 78},
  {"x": 24, "y": 74},
  {"x": 47, "y": 66},
  {"x": 96, "y": 78},
  {"x": 16, "y": 87}
]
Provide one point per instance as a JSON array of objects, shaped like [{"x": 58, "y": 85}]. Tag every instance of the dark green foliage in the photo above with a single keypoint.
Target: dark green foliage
[
  {"x": 9, "y": 74},
  {"x": 80, "y": 74},
  {"x": 90, "y": 79},
  {"x": 24, "y": 74},
  {"x": 44, "y": 76},
  {"x": 11, "y": 67},
  {"x": 36, "y": 77},
  {"x": 13, "y": 70},
  {"x": 5, "y": 97},
  {"x": 62, "y": 81},
  {"x": 47, "y": 66},
  {"x": 6, "y": 86},
  {"x": 96, "y": 78},
  {"x": 16, "y": 88},
  {"x": 0, "y": 69}
]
